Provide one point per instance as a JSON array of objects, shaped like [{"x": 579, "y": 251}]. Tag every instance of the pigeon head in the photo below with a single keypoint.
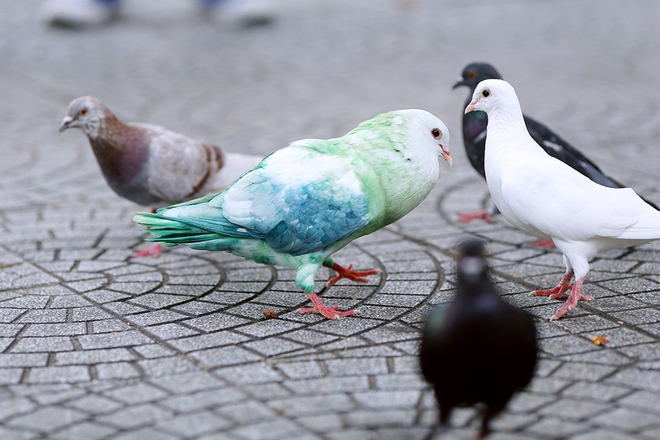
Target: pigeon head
[
  {"x": 433, "y": 132},
  {"x": 494, "y": 95},
  {"x": 86, "y": 113},
  {"x": 472, "y": 266},
  {"x": 474, "y": 73}
]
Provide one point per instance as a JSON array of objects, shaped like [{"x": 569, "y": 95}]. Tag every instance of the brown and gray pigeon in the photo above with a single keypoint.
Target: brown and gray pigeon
[{"x": 150, "y": 165}]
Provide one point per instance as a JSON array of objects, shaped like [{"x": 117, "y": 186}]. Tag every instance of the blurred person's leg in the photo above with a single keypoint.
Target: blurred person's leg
[
  {"x": 243, "y": 12},
  {"x": 77, "y": 13}
]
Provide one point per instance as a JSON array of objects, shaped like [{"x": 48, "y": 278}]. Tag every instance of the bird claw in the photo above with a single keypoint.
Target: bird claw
[
  {"x": 329, "y": 312},
  {"x": 154, "y": 251},
  {"x": 573, "y": 299},
  {"x": 468, "y": 217},
  {"x": 554, "y": 293},
  {"x": 354, "y": 275},
  {"x": 546, "y": 244}
]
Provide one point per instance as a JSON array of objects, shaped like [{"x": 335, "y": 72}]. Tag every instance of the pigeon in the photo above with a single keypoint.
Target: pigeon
[
  {"x": 547, "y": 198},
  {"x": 474, "y": 139},
  {"x": 150, "y": 165},
  {"x": 478, "y": 348},
  {"x": 304, "y": 202}
]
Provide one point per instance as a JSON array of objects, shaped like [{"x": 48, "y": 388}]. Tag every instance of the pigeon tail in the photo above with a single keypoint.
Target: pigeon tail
[
  {"x": 648, "y": 226},
  {"x": 171, "y": 232}
]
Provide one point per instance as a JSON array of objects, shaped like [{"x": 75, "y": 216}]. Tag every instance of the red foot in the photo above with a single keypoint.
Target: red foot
[
  {"x": 346, "y": 272},
  {"x": 154, "y": 250},
  {"x": 548, "y": 244},
  {"x": 558, "y": 291},
  {"x": 572, "y": 301},
  {"x": 483, "y": 215},
  {"x": 328, "y": 312}
]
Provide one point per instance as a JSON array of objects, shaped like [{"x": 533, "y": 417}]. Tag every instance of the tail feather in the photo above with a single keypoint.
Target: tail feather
[{"x": 172, "y": 232}]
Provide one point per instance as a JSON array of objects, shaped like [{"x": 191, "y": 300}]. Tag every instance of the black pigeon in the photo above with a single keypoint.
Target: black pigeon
[
  {"x": 478, "y": 348},
  {"x": 474, "y": 138}
]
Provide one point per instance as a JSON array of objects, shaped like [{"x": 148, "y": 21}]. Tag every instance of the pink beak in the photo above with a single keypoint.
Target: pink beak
[
  {"x": 470, "y": 106},
  {"x": 446, "y": 155}
]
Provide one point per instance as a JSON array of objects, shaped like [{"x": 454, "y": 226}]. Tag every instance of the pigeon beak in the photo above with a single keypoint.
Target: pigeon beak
[
  {"x": 459, "y": 83},
  {"x": 470, "y": 106},
  {"x": 66, "y": 122},
  {"x": 446, "y": 155}
]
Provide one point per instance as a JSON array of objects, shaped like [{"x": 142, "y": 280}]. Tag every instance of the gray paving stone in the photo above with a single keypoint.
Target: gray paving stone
[
  {"x": 268, "y": 430},
  {"x": 225, "y": 356},
  {"x": 146, "y": 434},
  {"x": 47, "y": 418},
  {"x": 113, "y": 340},
  {"x": 42, "y": 344},
  {"x": 380, "y": 418},
  {"x": 245, "y": 413},
  {"x": 313, "y": 405},
  {"x": 94, "y": 404},
  {"x": 117, "y": 370},
  {"x": 10, "y": 408},
  {"x": 194, "y": 425},
  {"x": 85, "y": 431},
  {"x": 59, "y": 374},
  {"x": 627, "y": 419},
  {"x": 136, "y": 416},
  {"x": 250, "y": 374},
  {"x": 136, "y": 394}
]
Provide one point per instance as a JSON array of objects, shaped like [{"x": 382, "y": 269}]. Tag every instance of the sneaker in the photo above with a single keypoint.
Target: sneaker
[
  {"x": 241, "y": 12},
  {"x": 79, "y": 13}
]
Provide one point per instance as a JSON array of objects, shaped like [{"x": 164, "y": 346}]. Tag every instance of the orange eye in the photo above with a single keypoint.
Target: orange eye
[
  {"x": 83, "y": 112},
  {"x": 436, "y": 133},
  {"x": 472, "y": 74}
]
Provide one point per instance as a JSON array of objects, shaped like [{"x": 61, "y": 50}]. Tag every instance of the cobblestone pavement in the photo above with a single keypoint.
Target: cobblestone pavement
[{"x": 98, "y": 346}]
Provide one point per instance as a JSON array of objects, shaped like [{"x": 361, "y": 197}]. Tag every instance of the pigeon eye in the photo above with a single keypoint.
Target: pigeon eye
[
  {"x": 471, "y": 74},
  {"x": 485, "y": 93},
  {"x": 83, "y": 112},
  {"x": 436, "y": 133}
]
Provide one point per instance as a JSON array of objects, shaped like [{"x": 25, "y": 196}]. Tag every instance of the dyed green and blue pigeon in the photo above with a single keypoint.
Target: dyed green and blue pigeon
[{"x": 304, "y": 202}]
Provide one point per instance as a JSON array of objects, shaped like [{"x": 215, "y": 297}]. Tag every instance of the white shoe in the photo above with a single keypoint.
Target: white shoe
[
  {"x": 243, "y": 12},
  {"x": 78, "y": 13}
]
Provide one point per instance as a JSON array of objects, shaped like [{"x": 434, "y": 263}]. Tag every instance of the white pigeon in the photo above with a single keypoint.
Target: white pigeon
[{"x": 546, "y": 198}]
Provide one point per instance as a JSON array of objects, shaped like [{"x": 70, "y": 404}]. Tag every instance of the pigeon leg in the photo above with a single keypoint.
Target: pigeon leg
[
  {"x": 558, "y": 291},
  {"x": 346, "y": 272},
  {"x": 328, "y": 312},
  {"x": 547, "y": 244},
  {"x": 468, "y": 217},
  {"x": 154, "y": 250},
  {"x": 572, "y": 301},
  {"x": 490, "y": 411}
]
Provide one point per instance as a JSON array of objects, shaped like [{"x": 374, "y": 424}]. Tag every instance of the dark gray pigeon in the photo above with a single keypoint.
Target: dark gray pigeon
[
  {"x": 150, "y": 165},
  {"x": 478, "y": 348},
  {"x": 474, "y": 138}
]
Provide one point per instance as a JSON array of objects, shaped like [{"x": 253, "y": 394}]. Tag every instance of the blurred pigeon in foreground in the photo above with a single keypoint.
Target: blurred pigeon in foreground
[
  {"x": 478, "y": 348},
  {"x": 474, "y": 138},
  {"x": 150, "y": 165},
  {"x": 306, "y": 201},
  {"x": 546, "y": 198}
]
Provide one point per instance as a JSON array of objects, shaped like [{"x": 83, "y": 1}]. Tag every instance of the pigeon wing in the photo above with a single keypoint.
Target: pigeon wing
[
  {"x": 178, "y": 165},
  {"x": 567, "y": 205},
  {"x": 299, "y": 201}
]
